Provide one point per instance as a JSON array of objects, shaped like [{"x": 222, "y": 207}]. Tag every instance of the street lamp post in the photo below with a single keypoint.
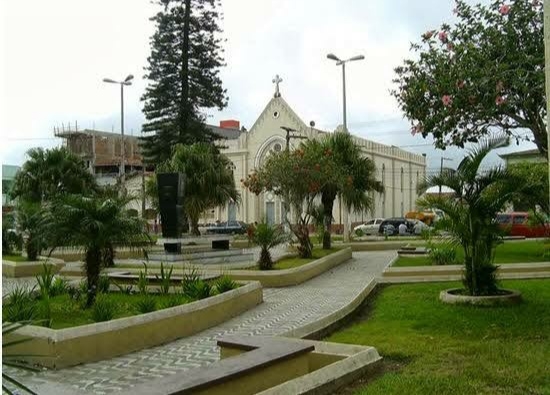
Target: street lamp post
[
  {"x": 122, "y": 168},
  {"x": 341, "y": 62},
  {"x": 441, "y": 170}
]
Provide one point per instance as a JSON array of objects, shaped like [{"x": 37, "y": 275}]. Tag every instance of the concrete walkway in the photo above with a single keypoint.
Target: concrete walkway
[{"x": 283, "y": 309}]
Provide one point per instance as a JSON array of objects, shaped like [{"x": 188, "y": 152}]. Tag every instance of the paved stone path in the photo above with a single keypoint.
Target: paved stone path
[{"x": 283, "y": 309}]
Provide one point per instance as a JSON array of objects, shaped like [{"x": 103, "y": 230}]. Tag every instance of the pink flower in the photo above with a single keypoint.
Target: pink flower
[
  {"x": 450, "y": 46},
  {"x": 460, "y": 84},
  {"x": 536, "y": 3},
  {"x": 442, "y": 36},
  {"x": 447, "y": 100},
  {"x": 504, "y": 9},
  {"x": 417, "y": 129},
  {"x": 500, "y": 100}
]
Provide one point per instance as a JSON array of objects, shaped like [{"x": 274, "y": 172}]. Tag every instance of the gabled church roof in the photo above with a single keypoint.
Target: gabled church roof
[{"x": 281, "y": 104}]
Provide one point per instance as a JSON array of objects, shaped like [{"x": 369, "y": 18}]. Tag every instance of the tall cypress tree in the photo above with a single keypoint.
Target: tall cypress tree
[{"x": 183, "y": 70}]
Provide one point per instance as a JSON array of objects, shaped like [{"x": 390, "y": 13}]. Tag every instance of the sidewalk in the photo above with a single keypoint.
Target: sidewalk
[{"x": 283, "y": 309}]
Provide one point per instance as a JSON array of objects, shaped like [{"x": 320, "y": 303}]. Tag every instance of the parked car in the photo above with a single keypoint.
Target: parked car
[
  {"x": 517, "y": 224},
  {"x": 390, "y": 226},
  {"x": 229, "y": 227},
  {"x": 370, "y": 227}
]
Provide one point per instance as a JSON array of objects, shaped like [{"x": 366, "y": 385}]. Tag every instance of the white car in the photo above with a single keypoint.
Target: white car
[{"x": 370, "y": 227}]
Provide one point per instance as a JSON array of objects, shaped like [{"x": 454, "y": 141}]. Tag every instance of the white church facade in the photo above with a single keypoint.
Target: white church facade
[{"x": 399, "y": 170}]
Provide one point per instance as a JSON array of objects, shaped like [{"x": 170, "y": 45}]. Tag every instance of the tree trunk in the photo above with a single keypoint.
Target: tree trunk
[
  {"x": 92, "y": 265},
  {"x": 328, "y": 203},
  {"x": 302, "y": 234},
  {"x": 184, "y": 101},
  {"x": 194, "y": 225},
  {"x": 32, "y": 251},
  {"x": 109, "y": 255},
  {"x": 265, "y": 262}
]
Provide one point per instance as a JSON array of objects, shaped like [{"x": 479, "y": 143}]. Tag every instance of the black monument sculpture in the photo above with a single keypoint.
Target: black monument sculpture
[{"x": 170, "y": 191}]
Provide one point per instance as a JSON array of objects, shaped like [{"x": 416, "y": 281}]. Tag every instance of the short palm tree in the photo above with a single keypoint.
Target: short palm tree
[
  {"x": 470, "y": 214},
  {"x": 95, "y": 223},
  {"x": 267, "y": 236}
]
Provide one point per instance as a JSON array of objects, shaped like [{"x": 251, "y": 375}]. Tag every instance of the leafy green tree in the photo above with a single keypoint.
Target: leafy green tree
[
  {"x": 11, "y": 240},
  {"x": 183, "y": 73},
  {"x": 470, "y": 214},
  {"x": 48, "y": 173},
  {"x": 486, "y": 71},
  {"x": 94, "y": 223},
  {"x": 535, "y": 196},
  {"x": 351, "y": 176},
  {"x": 297, "y": 177},
  {"x": 209, "y": 180},
  {"x": 267, "y": 236}
]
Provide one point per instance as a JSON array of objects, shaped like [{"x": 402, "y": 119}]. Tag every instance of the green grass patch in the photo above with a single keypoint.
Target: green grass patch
[
  {"x": 289, "y": 263},
  {"x": 434, "y": 348},
  {"x": 509, "y": 252},
  {"x": 15, "y": 258}
]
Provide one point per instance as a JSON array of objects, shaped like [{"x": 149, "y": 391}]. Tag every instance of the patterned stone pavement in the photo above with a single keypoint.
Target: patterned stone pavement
[{"x": 283, "y": 309}]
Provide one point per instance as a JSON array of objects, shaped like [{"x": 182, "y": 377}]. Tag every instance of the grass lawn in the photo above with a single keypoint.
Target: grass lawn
[
  {"x": 289, "y": 263},
  {"x": 509, "y": 252},
  {"x": 66, "y": 312},
  {"x": 15, "y": 258},
  {"x": 433, "y": 348}
]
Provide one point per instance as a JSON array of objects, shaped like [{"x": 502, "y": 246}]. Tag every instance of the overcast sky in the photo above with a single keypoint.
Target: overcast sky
[{"x": 54, "y": 55}]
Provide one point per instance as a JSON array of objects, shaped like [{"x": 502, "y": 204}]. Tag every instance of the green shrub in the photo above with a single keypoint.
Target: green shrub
[
  {"x": 174, "y": 300},
  {"x": 165, "y": 279},
  {"x": 143, "y": 280},
  {"x": 125, "y": 289},
  {"x": 225, "y": 283},
  {"x": 83, "y": 287},
  {"x": 104, "y": 309},
  {"x": 45, "y": 279},
  {"x": 197, "y": 289},
  {"x": 359, "y": 233},
  {"x": 59, "y": 286},
  {"x": 20, "y": 305},
  {"x": 146, "y": 304},
  {"x": 443, "y": 255},
  {"x": 103, "y": 284},
  {"x": 74, "y": 292}
]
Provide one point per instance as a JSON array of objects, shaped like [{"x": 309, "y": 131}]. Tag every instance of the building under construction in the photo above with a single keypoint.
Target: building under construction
[{"x": 101, "y": 151}]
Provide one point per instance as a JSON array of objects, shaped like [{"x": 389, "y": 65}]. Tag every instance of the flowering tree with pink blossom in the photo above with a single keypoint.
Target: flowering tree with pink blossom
[{"x": 483, "y": 73}]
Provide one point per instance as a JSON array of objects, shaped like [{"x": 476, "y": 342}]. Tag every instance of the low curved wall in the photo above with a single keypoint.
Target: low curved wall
[
  {"x": 88, "y": 343},
  {"x": 294, "y": 276},
  {"x": 29, "y": 269}
]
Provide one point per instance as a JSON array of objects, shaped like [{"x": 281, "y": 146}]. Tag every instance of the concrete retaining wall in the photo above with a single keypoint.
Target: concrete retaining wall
[
  {"x": 29, "y": 269},
  {"x": 88, "y": 343},
  {"x": 294, "y": 276}
]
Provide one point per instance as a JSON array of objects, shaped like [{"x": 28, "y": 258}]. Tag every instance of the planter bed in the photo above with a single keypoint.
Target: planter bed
[
  {"x": 59, "y": 348},
  {"x": 296, "y": 275},
  {"x": 457, "y": 296},
  {"x": 29, "y": 268}
]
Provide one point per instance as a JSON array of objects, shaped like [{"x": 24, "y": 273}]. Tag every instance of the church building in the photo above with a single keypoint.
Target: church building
[{"x": 399, "y": 170}]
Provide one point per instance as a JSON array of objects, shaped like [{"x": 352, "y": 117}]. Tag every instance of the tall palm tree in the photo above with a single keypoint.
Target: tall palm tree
[
  {"x": 355, "y": 179},
  {"x": 48, "y": 173},
  {"x": 209, "y": 180},
  {"x": 470, "y": 214},
  {"x": 94, "y": 223}
]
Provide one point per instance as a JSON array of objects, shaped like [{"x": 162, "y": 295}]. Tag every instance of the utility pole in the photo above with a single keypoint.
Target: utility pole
[{"x": 340, "y": 62}]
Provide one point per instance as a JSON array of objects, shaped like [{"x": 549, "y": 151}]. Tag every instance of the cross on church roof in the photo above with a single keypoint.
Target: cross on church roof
[{"x": 277, "y": 80}]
